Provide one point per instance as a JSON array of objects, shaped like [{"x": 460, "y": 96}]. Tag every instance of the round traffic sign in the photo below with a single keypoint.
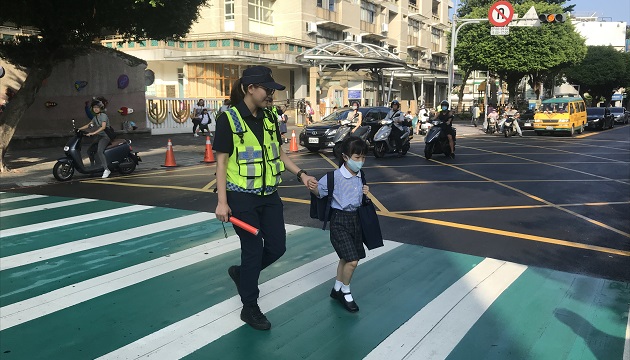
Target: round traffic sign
[{"x": 500, "y": 13}]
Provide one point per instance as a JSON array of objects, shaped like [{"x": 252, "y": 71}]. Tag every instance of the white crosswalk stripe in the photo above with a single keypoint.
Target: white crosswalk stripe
[
  {"x": 20, "y": 198},
  {"x": 6, "y": 213}
]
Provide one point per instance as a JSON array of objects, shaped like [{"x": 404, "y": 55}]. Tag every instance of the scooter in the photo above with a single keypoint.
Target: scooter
[
  {"x": 425, "y": 126},
  {"x": 492, "y": 126},
  {"x": 385, "y": 144},
  {"x": 436, "y": 142},
  {"x": 344, "y": 131},
  {"x": 119, "y": 155},
  {"x": 509, "y": 126}
]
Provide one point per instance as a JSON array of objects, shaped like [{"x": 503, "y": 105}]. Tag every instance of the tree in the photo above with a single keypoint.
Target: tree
[
  {"x": 602, "y": 71},
  {"x": 540, "y": 51},
  {"x": 66, "y": 29}
]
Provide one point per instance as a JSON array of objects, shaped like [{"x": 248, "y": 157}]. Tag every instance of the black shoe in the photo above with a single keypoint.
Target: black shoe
[
  {"x": 335, "y": 294},
  {"x": 452, "y": 155},
  {"x": 252, "y": 315},
  {"x": 349, "y": 305},
  {"x": 235, "y": 273}
]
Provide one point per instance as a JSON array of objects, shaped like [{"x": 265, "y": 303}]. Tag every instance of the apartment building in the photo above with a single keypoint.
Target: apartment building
[{"x": 231, "y": 35}]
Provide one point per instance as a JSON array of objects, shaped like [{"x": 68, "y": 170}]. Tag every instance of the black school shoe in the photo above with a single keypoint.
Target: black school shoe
[
  {"x": 252, "y": 315},
  {"x": 235, "y": 273},
  {"x": 349, "y": 305},
  {"x": 335, "y": 294}
]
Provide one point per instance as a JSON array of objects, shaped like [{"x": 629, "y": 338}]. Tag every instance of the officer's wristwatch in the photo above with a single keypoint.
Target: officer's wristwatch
[{"x": 299, "y": 174}]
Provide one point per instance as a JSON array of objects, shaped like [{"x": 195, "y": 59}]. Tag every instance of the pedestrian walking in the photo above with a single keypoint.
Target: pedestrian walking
[
  {"x": 196, "y": 115},
  {"x": 250, "y": 162},
  {"x": 475, "y": 114},
  {"x": 345, "y": 227}
]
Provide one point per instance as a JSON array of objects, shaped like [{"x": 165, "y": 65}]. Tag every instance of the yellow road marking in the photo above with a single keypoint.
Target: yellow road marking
[
  {"x": 595, "y": 222},
  {"x": 147, "y": 186},
  {"x": 511, "y": 207},
  {"x": 510, "y": 234},
  {"x": 210, "y": 184},
  {"x": 370, "y": 195}
]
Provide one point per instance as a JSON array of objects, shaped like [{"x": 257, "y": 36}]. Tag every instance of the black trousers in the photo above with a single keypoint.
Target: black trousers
[
  {"x": 397, "y": 133},
  {"x": 258, "y": 252}
]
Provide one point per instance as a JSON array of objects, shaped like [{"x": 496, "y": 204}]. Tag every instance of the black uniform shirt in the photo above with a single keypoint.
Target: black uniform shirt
[{"x": 223, "y": 140}]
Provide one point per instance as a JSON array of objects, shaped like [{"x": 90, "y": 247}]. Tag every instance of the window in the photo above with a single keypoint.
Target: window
[
  {"x": 326, "y": 4},
  {"x": 436, "y": 34},
  {"x": 413, "y": 27},
  {"x": 326, "y": 35},
  {"x": 368, "y": 12},
  {"x": 229, "y": 9},
  {"x": 260, "y": 10},
  {"x": 211, "y": 80}
]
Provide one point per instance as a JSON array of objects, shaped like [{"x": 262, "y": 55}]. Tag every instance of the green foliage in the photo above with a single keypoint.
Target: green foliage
[
  {"x": 602, "y": 71},
  {"x": 467, "y": 6},
  {"x": 538, "y": 51},
  {"x": 64, "y": 25}
]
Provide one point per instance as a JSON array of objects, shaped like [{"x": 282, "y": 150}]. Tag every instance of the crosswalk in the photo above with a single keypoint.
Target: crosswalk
[{"x": 88, "y": 279}]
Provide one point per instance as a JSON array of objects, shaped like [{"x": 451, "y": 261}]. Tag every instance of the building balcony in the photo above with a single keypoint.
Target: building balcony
[
  {"x": 367, "y": 27},
  {"x": 415, "y": 43},
  {"x": 330, "y": 20}
]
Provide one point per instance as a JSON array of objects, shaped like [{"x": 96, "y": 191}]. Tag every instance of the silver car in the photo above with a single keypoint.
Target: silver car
[{"x": 620, "y": 114}]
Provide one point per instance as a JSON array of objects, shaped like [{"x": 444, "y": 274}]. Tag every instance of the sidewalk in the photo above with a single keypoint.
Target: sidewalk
[{"x": 33, "y": 167}]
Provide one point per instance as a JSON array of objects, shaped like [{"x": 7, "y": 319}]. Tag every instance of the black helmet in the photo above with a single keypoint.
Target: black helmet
[
  {"x": 395, "y": 102},
  {"x": 444, "y": 102},
  {"x": 98, "y": 103}
]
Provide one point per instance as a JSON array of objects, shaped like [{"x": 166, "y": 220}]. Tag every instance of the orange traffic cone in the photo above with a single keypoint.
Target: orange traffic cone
[
  {"x": 294, "y": 146},
  {"x": 209, "y": 157},
  {"x": 170, "y": 156}
]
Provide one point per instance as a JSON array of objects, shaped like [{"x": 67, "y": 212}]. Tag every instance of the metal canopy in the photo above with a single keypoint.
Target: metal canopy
[{"x": 351, "y": 55}]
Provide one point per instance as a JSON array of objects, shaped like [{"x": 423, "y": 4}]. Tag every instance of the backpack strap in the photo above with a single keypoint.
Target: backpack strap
[
  {"x": 365, "y": 198},
  {"x": 330, "y": 180}
]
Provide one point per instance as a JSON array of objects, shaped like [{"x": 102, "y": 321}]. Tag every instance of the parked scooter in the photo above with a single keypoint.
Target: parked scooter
[
  {"x": 344, "y": 131},
  {"x": 509, "y": 126},
  {"x": 384, "y": 143},
  {"x": 436, "y": 142},
  {"x": 119, "y": 155}
]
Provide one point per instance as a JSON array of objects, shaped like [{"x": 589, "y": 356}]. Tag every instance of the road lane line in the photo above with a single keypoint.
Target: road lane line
[
  {"x": 509, "y": 234},
  {"x": 20, "y": 198},
  {"x": 210, "y": 184},
  {"x": 54, "y": 205},
  {"x": 21, "y": 230},
  {"x": 148, "y": 186},
  {"x": 434, "y": 331},
  {"x": 9, "y": 262},
  {"x": 512, "y": 207},
  {"x": 188, "y": 335},
  {"x": 370, "y": 195},
  {"x": 35, "y": 307},
  {"x": 592, "y": 221}
]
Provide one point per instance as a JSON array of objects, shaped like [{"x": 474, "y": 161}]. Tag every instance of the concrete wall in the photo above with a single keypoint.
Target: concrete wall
[{"x": 101, "y": 70}]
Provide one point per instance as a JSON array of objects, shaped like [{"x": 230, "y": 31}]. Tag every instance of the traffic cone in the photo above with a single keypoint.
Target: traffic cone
[
  {"x": 170, "y": 156},
  {"x": 209, "y": 157},
  {"x": 294, "y": 146}
]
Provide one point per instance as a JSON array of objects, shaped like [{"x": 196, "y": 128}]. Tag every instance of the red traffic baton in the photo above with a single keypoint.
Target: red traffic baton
[{"x": 243, "y": 225}]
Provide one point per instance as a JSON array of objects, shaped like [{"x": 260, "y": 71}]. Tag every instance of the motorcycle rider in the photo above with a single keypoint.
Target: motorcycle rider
[
  {"x": 509, "y": 111},
  {"x": 98, "y": 124},
  {"x": 445, "y": 116},
  {"x": 397, "y": 118},
  {"x": 355, "y": 115},
  {"x": 423, "y": 117}
]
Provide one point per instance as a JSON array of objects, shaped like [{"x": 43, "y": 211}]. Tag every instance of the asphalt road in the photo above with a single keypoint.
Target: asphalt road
[{"x": 553, "y": 202}]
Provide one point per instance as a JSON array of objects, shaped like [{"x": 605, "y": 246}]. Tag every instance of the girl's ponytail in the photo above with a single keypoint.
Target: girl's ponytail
[{"x": 237, "y": 95}]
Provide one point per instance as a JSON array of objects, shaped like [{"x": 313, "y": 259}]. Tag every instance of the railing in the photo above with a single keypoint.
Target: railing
[{"x": 173, "y": 115}]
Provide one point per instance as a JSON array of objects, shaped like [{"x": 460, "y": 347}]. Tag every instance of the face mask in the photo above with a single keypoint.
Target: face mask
[
  {"x": 444, "y": 108},
  {"x": 354, "y": 165}
]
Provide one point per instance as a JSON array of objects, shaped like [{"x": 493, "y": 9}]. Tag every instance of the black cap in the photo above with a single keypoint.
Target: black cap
[{"x": 260, "y": 75}]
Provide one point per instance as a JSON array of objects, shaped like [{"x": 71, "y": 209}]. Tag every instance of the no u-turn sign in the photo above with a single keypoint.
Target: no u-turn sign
[{"x": 500, "y": 13}]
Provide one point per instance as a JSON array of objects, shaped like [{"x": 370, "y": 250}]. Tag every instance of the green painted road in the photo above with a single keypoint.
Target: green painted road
[{"x": 87, "y": 279}]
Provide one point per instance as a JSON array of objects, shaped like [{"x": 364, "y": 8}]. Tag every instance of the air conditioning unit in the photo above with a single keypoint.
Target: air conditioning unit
[
  {"x": 347, "y": 36},
  {"x": 427, "y": 55},
  {"x": 384, "y": 27},
  {"x": 395, "y": 51},
  {"x": 311, "y": 28},
  {"x": 383, "y": 44}
]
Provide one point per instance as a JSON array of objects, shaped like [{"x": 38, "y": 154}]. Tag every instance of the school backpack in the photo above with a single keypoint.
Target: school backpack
[{"x": 322, "y": 208}]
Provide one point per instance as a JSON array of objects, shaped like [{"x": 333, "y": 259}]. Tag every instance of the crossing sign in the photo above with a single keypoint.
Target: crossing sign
[{"x": 500, "y": 13}]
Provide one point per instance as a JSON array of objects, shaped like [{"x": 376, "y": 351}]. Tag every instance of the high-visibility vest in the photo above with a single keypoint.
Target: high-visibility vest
[{"x": 253, "y": 168}]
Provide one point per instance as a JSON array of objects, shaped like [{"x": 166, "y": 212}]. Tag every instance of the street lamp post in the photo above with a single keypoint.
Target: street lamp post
[{"x": 454, "y": 31}]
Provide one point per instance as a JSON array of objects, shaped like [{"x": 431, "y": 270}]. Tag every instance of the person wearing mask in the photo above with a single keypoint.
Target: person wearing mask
[
  {"x": 355, "y": 116},
  {"x": 397, "y": 118},
  {"x": 423, "y": 117},
  {"x": 97, "y": 129},
  {"x": 445, "y": 116},
  {"x": 250, "y": 162},
  {"x": 509, "y": 111}
]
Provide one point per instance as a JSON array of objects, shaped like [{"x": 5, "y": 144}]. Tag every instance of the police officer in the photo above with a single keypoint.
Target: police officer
[
  {"x": 250, "y": 162},
  {"x": 446, "y": 122}
]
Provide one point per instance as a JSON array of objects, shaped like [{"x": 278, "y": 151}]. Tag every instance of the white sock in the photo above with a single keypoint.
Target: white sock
[
  {"x": 346, "y": 290},
  {"x": 338, "y": 285}
]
